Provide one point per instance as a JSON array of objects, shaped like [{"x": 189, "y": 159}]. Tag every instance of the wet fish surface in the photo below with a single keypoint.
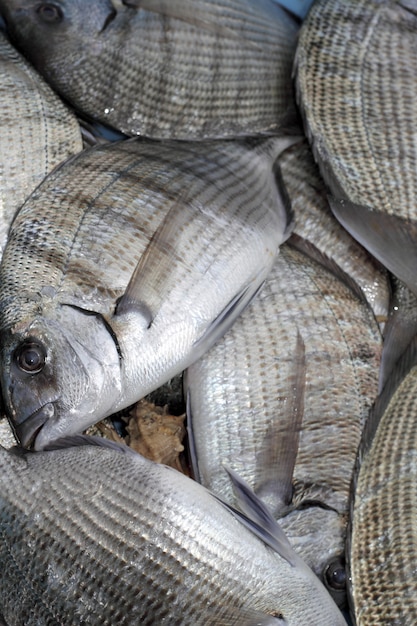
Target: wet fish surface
[
  {"x": 293, "y": 437},
  {"x": 356, "y": 68},
  {"x": 164, "y": 68},
  {"x": 91, "y": 535},
  {"x": 37, "y": 132},
  {"x": 383, "y": 541},
  {"x": 126, "y": 265},
  {"x": 317, "y": 232}
]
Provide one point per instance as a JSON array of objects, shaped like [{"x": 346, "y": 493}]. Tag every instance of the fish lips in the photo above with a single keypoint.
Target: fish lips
[{"x": 28, "y": 429}]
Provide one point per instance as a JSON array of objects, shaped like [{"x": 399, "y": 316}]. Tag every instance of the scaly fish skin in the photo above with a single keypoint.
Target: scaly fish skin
[
  {"x": 90, "y": 535},
  {"x": 126, "y": 265},
  {"x": 382, "y": 547},
  {"x": 37, "y": 132},
  {"x": 318, "y": 233},
  {"x": 164, "y": 68},
  {"x": 242, "y": 413},
  {"x": 356, "y": 67}
]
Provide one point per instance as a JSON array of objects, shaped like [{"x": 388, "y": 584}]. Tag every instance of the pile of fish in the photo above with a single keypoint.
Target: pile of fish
[{"x": 244, "y": 218}]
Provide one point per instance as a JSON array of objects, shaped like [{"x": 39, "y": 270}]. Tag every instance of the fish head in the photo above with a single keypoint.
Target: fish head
[
  {"x": 56, "y": 36},
  {"x": 60, "y": 374}
]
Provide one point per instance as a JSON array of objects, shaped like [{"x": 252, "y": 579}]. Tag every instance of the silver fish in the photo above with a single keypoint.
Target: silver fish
[
  {"x": 91, "y": 535},
  {"x": 356, "y": 68},
  {"x": 383, "y": 543},
  {"x": 164, "y": 68},
  {"x": 125, "y": 266},
  {"x": 246, "y": 411},
  {"x": 37, "y": 132}
]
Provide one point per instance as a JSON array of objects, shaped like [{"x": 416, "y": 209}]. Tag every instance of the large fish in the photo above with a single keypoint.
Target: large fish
[
  {"x": 383, "y": 541},
  {"x": 318, "y": 233},
  {"x": 356, "y": 69},
  {"x": 289, "y": 424},
  {"x": 92, "y": 535},
  {"x": 164, "y": 68},
  {"x": 37, "y": 132},
  {"x": 126, "y": 265}
]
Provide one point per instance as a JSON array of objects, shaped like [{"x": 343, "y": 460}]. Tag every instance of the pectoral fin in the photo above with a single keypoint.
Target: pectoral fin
[
  {"x": 391, "y": 239},
  {"x": 255, "y": 515},
  {"x": 153, "y": 276},
  {"x": 276, "y": 461}
]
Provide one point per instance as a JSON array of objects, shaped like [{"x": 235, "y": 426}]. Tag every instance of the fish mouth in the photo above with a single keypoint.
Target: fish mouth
[{"x": 28, "y": 430}]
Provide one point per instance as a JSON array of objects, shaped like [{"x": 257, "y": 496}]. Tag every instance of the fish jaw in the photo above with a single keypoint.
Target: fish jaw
[{"x": 77, "y": 384}]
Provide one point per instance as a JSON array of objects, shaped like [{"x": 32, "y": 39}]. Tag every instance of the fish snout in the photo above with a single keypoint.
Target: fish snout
[{"x": 27, "y": 429}]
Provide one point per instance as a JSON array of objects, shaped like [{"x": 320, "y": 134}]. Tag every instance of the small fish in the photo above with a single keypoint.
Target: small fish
[
  {"x": 37, "y": 132},
  {"x": 92, "y": 535},
  {"x": 188, "y": 69},
  {"x": 125, "y": 266},
  {"x": 383, "y": 543},
  {"x": 289, "y": 419},
  {"x": 356, "y": 68}
]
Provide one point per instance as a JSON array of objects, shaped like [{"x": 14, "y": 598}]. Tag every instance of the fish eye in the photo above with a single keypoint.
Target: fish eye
[
  {"x": 49, "y": 13},
  {"x": 30, "y": 357},
  {"x": 335, "y": 574}
]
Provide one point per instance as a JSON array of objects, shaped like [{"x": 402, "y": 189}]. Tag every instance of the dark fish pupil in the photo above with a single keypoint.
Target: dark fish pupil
[
  {"x": 30, "y": 357},
  {"x": 336, "y": 575},
  {"x": 49, "y": 13}
]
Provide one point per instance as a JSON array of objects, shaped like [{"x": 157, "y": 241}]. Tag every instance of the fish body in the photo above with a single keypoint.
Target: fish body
[
  {"x": 356, "y": 68},
  {"x": 164, "y": 68},
  {"x": 37, "y": 132},
  {"x": 126, "y": 265},
  {"x": 91, "y": 535},
  {"x": 383, "y": 538},
  {"x": 318, "y": 233},
  {"x": 245, "y": 410}
]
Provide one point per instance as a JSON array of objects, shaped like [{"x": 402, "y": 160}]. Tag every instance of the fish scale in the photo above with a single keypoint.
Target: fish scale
[
  {"x": 46, "y": 134},
  {"x": 384, "y": 534},
  {"x": 173, "y": 69},
  {"x": 115, "y": 538}
]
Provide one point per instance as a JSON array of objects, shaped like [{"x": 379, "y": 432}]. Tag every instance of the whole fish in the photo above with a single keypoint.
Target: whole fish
[
  {"x": 164, "y": 68},
  {"x": 126, "y": 265},
  {"x": 37, "y": 132},
  {"x": 318, "y": 233},
  {"x": 383, "y": 542},
  {"x": 289, "y": 424},
  {"x": 356, "y": 68},
  {"x": 91, "y": 535}
]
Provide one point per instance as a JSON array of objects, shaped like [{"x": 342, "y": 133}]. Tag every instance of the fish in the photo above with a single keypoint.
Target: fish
[
  {"x": 94, "y": 533},
  {"x": 164, "y": 68},
  {"x": 282, "y": 400},
  {"x": 318, "y": 233},
  {"x": 382, "y": 539},
  {"x": 38, "y": 131},
  {"x": 125, "y": 265},
  {"x": 355, "y": 69}
]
